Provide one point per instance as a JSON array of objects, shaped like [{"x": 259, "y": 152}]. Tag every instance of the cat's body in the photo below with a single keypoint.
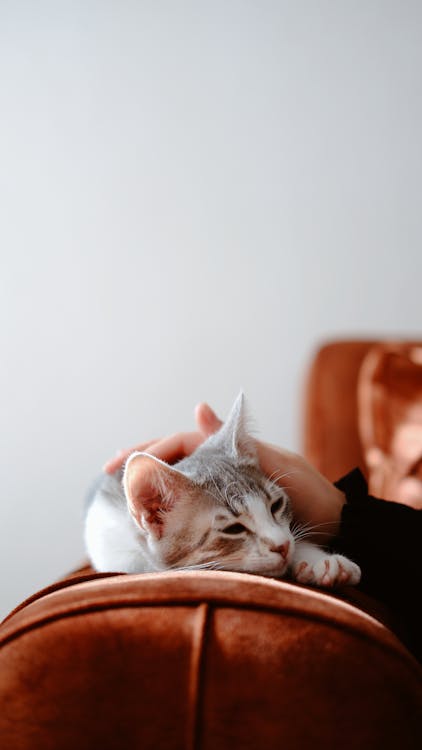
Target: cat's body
[
  {"x": 214, "y": 509},
  {"x": 113, "y": 540}
]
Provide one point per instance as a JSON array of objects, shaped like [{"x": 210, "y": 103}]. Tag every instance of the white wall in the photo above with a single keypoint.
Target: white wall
[{"x": 192, "y": 195}]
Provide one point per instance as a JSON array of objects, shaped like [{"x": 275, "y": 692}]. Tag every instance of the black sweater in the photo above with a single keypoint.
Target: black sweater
[{"x": 385, "y": 540}]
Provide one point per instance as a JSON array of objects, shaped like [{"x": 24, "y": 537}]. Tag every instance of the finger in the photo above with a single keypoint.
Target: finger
[
  {"x": 175, "y": 447},
  {"x": 119, "y": 459},
  {"x": 207, "y": 420}
]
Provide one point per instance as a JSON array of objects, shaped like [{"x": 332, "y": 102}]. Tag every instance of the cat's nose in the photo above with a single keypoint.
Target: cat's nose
[{"x": 282, "y": 549}]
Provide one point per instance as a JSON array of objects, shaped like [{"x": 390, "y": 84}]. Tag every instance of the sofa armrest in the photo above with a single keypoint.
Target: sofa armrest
[{"x": 202, "y": 660}]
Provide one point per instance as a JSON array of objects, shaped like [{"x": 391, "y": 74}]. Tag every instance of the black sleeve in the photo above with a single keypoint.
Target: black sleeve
[{"x": 384, "y": 539}]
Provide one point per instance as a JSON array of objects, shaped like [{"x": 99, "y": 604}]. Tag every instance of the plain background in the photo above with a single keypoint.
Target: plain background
[{"x": 193, "y": 195}]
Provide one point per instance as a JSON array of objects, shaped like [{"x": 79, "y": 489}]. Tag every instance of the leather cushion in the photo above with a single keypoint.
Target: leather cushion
[{"x": 202, "y": 660}]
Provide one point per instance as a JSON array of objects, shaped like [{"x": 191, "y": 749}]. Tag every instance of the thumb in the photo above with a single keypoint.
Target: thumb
[{"x": 206, "y": 419}]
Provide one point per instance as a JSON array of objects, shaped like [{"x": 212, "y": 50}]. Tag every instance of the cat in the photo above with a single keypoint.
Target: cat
[{"x": 214, "y": 509}]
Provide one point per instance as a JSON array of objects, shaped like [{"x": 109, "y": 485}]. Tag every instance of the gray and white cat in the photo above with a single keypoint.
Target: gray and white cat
[{"x": 214, "y": 509}]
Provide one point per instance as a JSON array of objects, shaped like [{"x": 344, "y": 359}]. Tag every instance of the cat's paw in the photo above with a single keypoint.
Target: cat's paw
[{"x": 328, "y": 570}]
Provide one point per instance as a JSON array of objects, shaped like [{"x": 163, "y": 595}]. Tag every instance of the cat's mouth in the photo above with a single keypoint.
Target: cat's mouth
[{"x": 269, "y": 568}]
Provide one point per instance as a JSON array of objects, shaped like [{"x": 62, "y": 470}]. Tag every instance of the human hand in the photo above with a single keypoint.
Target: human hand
[
  {"x": 316, "y": 502},
  {"x": 174, "y": 447}
]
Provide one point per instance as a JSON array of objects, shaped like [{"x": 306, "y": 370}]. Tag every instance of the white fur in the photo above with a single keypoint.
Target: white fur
[
  {"x": 113, "y": 540},
  {"x": 312, "y": 565}
]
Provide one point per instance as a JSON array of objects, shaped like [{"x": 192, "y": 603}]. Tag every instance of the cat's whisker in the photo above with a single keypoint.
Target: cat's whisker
[
  {"x": 277, "y": 475},
  {"x": 277, "y": 486},
  {"x": 234, "y": 496},
  {"x": 284, "y": 487},
  {"x": 301, "y": 532},
  {"x": 219, "y": 493},
  {"x": 210, "y": 565},
  {"x": 310, "y": 525}
]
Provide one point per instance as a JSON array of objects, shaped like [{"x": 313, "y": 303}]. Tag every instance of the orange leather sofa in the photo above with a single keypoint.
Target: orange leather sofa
[{"x": 215, "y": 660}]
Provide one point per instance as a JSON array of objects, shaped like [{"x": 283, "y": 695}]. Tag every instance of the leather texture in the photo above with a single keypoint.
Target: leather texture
[{"x": 204, "y": 660}]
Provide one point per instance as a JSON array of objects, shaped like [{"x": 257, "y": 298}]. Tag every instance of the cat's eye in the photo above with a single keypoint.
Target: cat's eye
[
  {"x": 235, "y": 528},
  {"x": 276, "y": 506}
]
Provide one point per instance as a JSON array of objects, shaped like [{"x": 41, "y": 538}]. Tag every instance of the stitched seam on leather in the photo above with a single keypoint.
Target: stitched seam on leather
[
  {"x": 393, "y": 648},
  {"x": 223, "y": 603},
  {"x": 195, "y": 676},
  {"x": 213, "y": 600},
  {"x": 171, "y": 602}
]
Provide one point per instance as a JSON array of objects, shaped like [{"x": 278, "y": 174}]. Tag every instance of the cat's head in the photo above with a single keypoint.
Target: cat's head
[{"x": 214, "y": 508}]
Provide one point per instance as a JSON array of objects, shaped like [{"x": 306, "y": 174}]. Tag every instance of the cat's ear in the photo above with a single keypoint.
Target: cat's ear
[
  {"x": 152, "y": 490},
  {"x": 234, "y": 436}
]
